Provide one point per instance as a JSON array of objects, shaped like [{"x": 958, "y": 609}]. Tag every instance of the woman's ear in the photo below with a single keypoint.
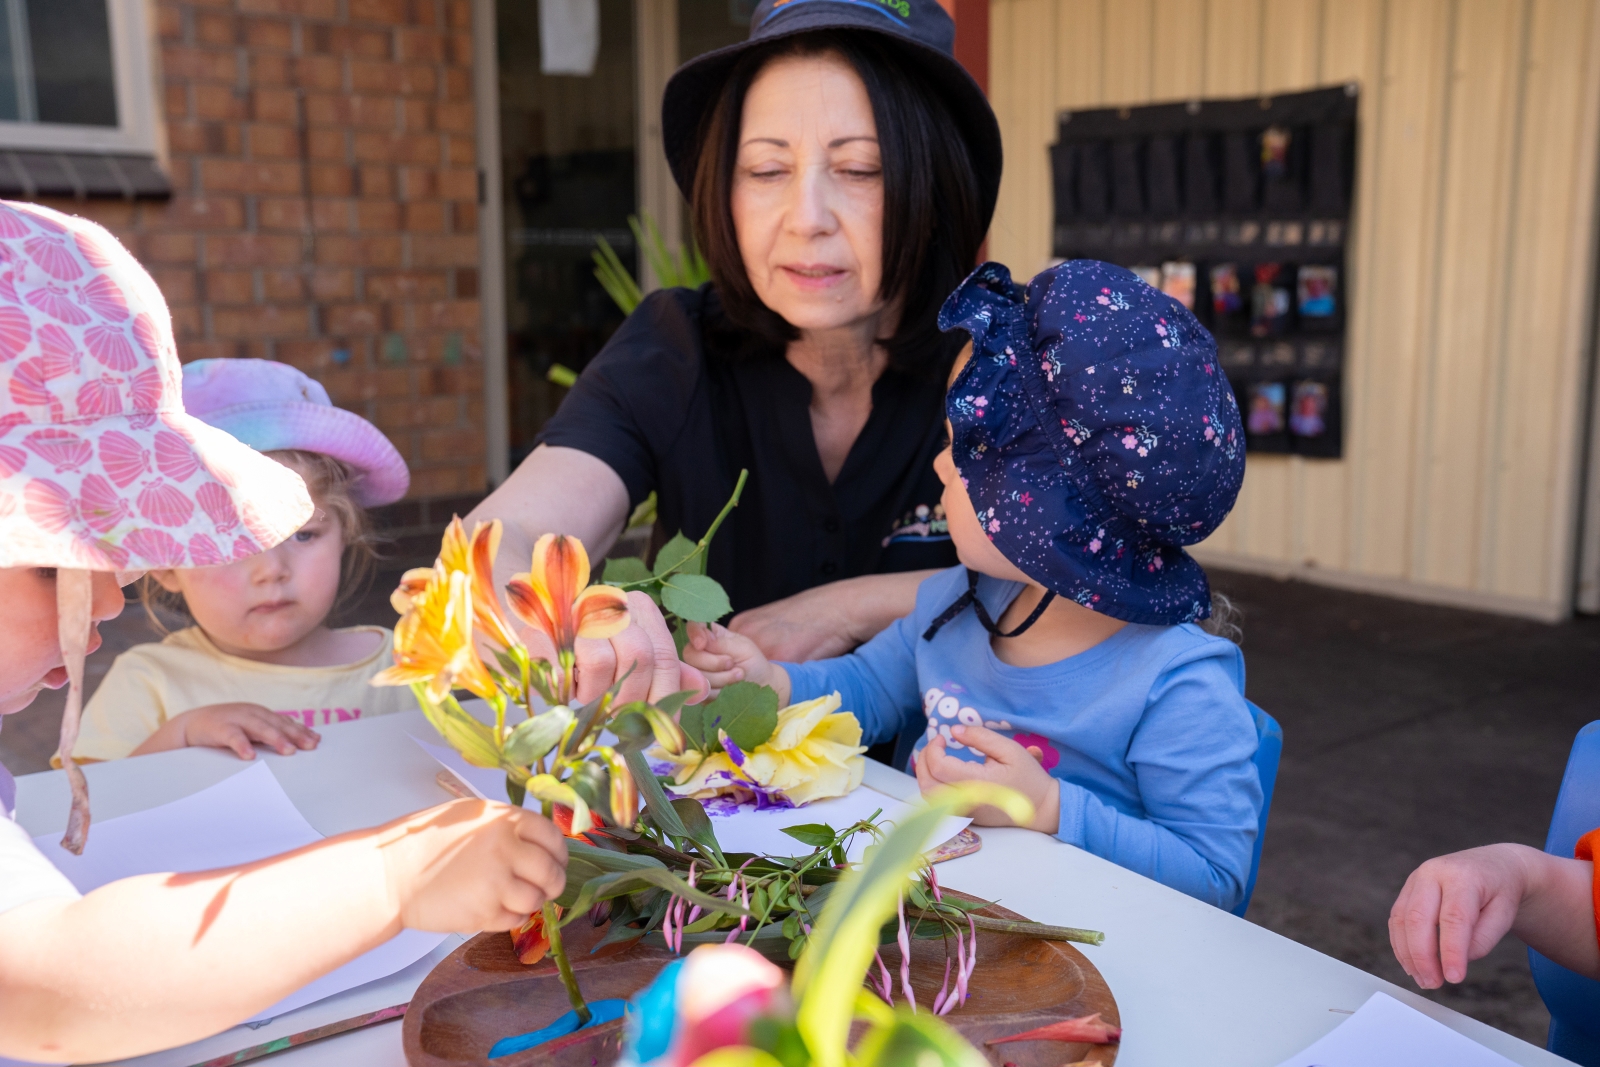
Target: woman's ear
[{"x": 168, "y": 580}]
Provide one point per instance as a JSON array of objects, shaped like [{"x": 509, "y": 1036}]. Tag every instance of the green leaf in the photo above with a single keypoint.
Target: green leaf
[
  {"x": 605, "y": 860},
  {"x": 673, "y": 702},
  {"x": 693, "y": 814},
  {"x": 747, "y": 712},
  {"x": 621, "y": 883},
  {"x": 626, "y": 570},
  {"x": 694, "y": 598},
  {"x": 461, "y": 731},
  {"x": 657, "y": 807},
  {"x": 591, "y": 782},
  {"x": 842, "y": 943},
  {"x": 534, "y": 738},
  {"x": 815, "y": 834},
  {"x": 920, "y": 1039},
  {"x": 672, "y": 555}
]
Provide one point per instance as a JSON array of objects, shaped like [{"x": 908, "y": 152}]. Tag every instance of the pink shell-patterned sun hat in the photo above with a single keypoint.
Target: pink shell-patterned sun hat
[
  {"x": 100, "y": 467},
  {"x": 271, "y": 406}
]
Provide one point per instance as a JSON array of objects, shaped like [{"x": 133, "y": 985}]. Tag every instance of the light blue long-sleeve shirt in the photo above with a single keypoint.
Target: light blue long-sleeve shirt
[{"x": 1147, "y": 732}]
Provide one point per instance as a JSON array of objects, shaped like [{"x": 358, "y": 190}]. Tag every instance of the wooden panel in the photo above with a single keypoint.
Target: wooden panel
[
  {"x": 1464, "y": 297},
  {"x": 1470, "y": 267},
  {"x": 1530, "y": 518}
]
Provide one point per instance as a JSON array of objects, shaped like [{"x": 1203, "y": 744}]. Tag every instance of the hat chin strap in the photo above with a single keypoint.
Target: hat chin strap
[
  {"x": 970, "y": 597},
  {"x": 74, "y": 597}
]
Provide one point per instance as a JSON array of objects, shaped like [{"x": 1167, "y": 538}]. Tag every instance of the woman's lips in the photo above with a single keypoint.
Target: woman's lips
[{"x": 813, "y": 277}]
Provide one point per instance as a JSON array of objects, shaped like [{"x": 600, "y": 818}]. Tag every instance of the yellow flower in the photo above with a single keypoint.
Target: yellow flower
[
  {"x": 555, "y": 595},
  {"x": 433, "y": 642},
  {"x": 814, "y": 753}
]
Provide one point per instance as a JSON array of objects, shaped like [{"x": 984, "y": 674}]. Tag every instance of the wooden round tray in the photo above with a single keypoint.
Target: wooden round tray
[{"x": 480, "y": 994}]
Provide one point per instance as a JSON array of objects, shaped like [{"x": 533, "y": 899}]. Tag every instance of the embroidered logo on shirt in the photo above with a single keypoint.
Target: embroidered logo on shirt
[
  {"x": 945, "y": 709},
  {"x": 922, "y": 523}
]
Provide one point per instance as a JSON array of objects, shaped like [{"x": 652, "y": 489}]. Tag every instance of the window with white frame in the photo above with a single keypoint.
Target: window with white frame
[{"x": 75, "y": 75}]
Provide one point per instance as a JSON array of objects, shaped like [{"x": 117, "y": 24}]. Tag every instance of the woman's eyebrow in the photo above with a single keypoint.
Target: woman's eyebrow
[
  {"x": 780, "y": 142},
  {"x": 839, "y": 142}
]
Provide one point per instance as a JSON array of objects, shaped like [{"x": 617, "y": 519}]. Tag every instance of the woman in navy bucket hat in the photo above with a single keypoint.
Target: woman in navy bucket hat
[
  {"x": 841, "y": 169},
  {"x": 1092, "y": 436}
]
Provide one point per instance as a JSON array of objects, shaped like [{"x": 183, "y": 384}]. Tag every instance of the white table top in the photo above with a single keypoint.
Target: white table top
[{"x": 1195, "y": 985}]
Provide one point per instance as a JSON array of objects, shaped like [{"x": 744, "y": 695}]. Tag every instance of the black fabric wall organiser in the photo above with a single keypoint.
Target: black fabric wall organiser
[{"x": 1240, "y": 208}]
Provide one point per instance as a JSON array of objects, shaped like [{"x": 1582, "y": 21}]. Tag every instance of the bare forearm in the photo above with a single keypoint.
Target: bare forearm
[
  {"x": 554, "y": 490},
  {"x": 873, "y": 601},
  {"x": 1557, "y": 913},
  {"x": 157, "y": 961}
]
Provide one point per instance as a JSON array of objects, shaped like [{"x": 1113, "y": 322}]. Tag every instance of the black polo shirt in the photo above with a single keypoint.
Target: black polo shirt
[{"x": 679, "y": 401}]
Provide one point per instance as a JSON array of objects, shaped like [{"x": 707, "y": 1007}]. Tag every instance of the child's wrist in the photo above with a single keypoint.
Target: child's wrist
[
  {"x": 778, "y": 679},
  {"x": 1047, "y": 814}
]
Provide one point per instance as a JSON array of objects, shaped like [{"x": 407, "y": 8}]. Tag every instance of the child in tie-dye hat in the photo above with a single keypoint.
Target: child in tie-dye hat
[
  {"x": 1092, "y": 436},
  {"x": 103, "y": 474},
  {"x": 260, "y": 664}
]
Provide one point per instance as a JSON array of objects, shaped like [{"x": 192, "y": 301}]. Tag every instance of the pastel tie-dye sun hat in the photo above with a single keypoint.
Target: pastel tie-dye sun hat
[
  {"x": 271, "y": 406},
  {"x": 100, "y": 468}
]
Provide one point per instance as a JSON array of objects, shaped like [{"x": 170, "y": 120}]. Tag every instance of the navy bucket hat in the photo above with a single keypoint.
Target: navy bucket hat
[
  {"x": 1096, "y": 435},
  {"x": 923, "y": 35}
]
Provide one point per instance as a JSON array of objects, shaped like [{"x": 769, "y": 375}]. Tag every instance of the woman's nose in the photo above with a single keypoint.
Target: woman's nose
[{"x": 811, "y": 209}]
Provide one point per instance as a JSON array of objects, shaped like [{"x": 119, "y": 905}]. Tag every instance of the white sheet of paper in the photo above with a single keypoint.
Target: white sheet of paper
[
  {"x": 1387, "y": 1033},
  {"x": 749, "y": 830},
  {"x": 241, "y": 819},
  {"x": 746, "y": 830}
]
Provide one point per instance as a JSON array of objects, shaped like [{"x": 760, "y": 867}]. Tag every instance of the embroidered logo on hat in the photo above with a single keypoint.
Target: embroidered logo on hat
[{"x": 899, "y": 10}]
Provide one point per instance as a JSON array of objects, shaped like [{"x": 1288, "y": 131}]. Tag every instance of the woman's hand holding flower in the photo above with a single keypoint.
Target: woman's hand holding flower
[{"x": 1006, "y": 763}]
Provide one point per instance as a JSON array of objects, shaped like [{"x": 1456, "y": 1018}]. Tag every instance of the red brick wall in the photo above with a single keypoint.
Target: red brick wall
[{"x": 325, "y": 209}]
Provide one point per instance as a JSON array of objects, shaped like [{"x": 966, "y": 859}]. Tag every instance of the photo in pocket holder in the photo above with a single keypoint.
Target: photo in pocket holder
[
  {"x": 1317, "y": 299},
  {"x": 1177, "y": 281},
  {"x": 1269, "y": 301},
  {"x": 1319, "y": 356},
  {"x": 1227, "y": 296},
  {"x": 1266, "y": 415},
  {"x": 1308, "y": 409}
]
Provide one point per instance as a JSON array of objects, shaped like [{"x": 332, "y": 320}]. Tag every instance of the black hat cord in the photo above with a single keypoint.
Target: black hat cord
[{"x": 970, "y": 597}]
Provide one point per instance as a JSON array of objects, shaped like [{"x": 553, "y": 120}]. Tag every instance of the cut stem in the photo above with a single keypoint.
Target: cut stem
[{"x": 552, "y": 927}]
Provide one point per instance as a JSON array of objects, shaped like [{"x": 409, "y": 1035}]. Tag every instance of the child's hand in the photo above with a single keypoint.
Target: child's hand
[
  {"x": 471, "y": 865},
  {"x": 725, "y": 657},
  {"x": 1006, "y": 763},
  {"x": 232, "y": 726}
]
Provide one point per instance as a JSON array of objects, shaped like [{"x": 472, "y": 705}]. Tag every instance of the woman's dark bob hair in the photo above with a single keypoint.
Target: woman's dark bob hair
[{"x": 932, "y": 226}]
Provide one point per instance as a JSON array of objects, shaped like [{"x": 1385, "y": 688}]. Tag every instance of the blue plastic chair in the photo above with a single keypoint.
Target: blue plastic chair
[
  {"x": 1573, "y": 1000},
  {"x": 1269, "y": 748}
]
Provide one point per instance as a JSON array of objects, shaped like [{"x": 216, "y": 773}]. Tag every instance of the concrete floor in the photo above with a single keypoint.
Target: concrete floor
[{"x": 1409, "y": 731}]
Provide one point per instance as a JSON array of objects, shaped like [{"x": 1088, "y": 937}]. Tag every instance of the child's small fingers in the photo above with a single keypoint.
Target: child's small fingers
[
  {"x": 987, "y": 741},
  {"x": 725, "y": 678},
  {"x": 237, "y": 740},
  {"x": 697, "y": 637}
]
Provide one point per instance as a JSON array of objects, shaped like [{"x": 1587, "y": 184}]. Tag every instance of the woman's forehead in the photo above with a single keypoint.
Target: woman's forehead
[{"x": 815, "y": 98}]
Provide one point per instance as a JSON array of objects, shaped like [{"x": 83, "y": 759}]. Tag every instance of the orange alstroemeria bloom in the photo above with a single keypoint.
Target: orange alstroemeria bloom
[
  {"x": 476, "y": 557},
  {"x": 433, "y": 642},
  {"x": 555, "y": 595},
  {"x": 531, "y": 940}
]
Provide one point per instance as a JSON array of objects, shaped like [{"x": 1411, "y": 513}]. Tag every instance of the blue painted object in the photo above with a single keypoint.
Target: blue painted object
[
  {"x": 1269, "y": 748},
  {"x": 1573, "y": 1000},
  {"x": 600, "y": 1011},
  {"x": 652, "y": 1018}
]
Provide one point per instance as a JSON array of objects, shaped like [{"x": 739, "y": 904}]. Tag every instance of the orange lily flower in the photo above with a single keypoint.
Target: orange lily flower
[
  {"x": 531, "y": 940},
  {"x": 555, "y": 595},
  {"x": 433, "y": 642},
  {"x": 474, "y": 557}
]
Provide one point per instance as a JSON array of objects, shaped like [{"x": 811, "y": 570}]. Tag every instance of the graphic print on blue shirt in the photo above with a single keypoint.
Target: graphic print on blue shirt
[{"x": 1147, "y": 733}]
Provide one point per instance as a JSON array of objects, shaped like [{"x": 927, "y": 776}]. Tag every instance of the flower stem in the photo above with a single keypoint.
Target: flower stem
[{"x": 552, "y": 927}]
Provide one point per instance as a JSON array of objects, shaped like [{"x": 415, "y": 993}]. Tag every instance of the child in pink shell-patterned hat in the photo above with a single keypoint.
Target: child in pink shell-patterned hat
[
  {"x": 260, "y": 664},
  {"x": 102, "y": 473}
]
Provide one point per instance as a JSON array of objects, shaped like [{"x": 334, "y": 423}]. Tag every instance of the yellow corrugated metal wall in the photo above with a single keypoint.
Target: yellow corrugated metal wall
[{"x": 1471, "y": 272}]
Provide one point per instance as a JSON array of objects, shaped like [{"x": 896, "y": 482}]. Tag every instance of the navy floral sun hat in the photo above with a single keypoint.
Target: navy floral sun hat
[{"x": 1096, "y": 435}]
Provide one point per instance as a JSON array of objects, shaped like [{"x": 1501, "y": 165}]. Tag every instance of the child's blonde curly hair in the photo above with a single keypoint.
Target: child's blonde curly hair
[{"x": 329, "y": 482}]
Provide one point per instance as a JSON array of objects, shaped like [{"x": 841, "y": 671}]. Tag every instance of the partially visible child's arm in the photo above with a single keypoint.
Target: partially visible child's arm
[
  {"x": 1455, "y": 908},
  {"x": 152, "y": 962},
  {"x": 237, "y": 726},
  {"x": 725, "y": 657},
  {"x": 1005, "y": 763}
]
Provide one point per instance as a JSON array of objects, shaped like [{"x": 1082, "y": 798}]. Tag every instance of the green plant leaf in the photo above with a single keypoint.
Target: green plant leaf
[
  {"x": 606, "y": 860},
  {"x": 693, "y": 814},
  {"x": 626, "y": 570},
  {"x": 694, "y": 598},
  {"x": 815, "y": 834},
  {"x": 657, "y": 807},
  {"x": 919, "y": 1038},
  {"x": 747, "y": 712},
  {"x": 592, "y": 782},
  {"x": 461, "y": 731},
  {"x": 533, "y": 738},
  {"x": 621, "y": 883},
  {"x": 691, "y": 720},
  {"x": 831, "y": 970},
  {"x": 672, "y": 555}
]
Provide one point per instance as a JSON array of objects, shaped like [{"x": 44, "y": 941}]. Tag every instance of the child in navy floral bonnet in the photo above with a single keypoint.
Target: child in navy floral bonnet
[{"x": 1092, "y": 436}]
